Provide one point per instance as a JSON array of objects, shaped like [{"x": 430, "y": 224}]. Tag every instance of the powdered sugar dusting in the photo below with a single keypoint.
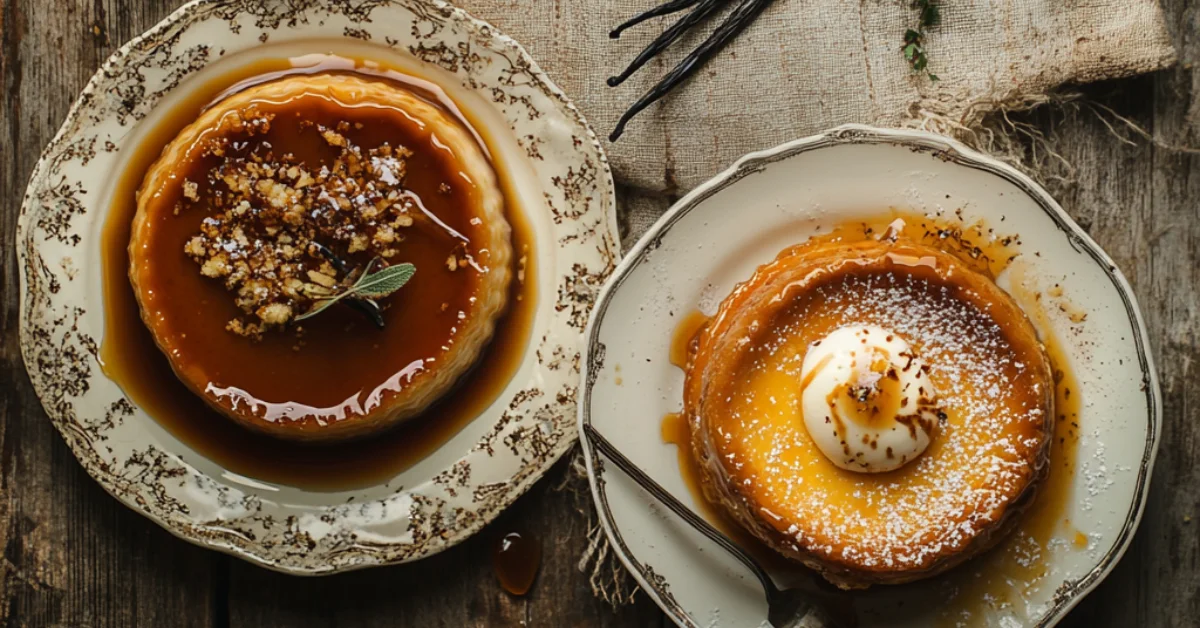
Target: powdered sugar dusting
[{"x": 981, "y": 459}]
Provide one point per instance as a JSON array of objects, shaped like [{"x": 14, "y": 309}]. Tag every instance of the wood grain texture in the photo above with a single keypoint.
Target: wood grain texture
[
  {"x": 1142, "y": 204},
  {"x": 72, "y": 556},
  {"x": 455, "y": 588}
]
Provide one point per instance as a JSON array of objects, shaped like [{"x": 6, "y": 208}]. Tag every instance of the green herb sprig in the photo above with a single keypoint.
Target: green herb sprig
[
  {"x": 929, "y": 16},
  {"x": 371, "y": 284}
]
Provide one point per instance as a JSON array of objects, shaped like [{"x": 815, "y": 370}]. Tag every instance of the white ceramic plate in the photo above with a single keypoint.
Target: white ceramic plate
[
  {"x": 561, "y": 176},
  {"x": 718, "y": 234}
]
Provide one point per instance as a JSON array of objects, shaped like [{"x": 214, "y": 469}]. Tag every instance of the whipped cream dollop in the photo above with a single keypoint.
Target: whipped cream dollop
[{"x": 867, "y": 400}]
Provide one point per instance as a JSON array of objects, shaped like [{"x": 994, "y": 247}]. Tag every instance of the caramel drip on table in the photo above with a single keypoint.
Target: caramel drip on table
[{"x": 516, "y": 559}]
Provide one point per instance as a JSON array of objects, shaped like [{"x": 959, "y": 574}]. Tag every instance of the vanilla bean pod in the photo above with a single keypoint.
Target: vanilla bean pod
[
  {"x": 665, "y": 8},
  {"x": 703, "y": 9},
  {"x": 742, "y": 16}
]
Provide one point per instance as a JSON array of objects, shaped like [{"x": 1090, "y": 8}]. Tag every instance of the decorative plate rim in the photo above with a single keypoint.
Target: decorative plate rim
[
  {"x": 948, "y": 149},
  {"x": 474, "y": 28}
]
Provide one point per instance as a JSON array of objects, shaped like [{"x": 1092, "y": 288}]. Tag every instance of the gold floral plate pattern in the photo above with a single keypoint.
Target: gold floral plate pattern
[{"x": 461, "y": 486}]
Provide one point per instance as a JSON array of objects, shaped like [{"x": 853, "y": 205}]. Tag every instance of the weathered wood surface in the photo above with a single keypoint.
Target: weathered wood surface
[{"x": 72, "y": 556}]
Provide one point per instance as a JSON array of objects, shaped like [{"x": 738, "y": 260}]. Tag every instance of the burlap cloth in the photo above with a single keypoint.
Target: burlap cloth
[{"x": 808, "y": 65}]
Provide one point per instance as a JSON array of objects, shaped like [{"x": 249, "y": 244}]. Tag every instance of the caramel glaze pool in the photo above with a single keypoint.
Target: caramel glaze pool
[{"x": 343, "y": 356}]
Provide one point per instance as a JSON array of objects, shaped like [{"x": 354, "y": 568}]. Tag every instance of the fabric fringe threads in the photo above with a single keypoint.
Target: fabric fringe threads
[
  {"x": 1004, "y": 126},
  {"x": 1001, "y": 126},
  {"x": 608, "y": 578}
]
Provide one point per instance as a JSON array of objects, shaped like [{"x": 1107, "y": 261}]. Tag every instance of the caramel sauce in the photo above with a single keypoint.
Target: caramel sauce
[
  {"x": 676, "y": 431},
  {"x": 816, "y": 370},
  {"x": 1001, "y": 577},
  {"x": 340, "y": 348},
  {"x": 975, "y": 244},
  {"x": 516, "y": 559},
  {"x": 684, "y": 338}
]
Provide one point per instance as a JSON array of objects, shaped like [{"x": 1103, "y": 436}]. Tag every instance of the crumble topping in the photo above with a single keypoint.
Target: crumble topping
[{"x": 272, "y": 215}]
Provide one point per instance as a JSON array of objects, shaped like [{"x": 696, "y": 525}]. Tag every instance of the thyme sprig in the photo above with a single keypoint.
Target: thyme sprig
[{"x": 929, "y": 16}]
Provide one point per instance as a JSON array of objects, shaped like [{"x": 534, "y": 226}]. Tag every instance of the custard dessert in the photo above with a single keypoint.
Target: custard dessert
[
  {"x": 321, "y": 256},
  {"x": 879, "y": 411}
]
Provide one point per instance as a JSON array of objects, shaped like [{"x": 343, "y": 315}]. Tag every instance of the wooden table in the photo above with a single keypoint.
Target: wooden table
[{"x": 73, "y": 556}]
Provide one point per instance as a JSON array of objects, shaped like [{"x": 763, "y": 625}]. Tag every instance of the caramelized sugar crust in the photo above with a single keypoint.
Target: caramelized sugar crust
[
  {"x": 222, "y": 256},
  {"x": 742, "y": 398}
]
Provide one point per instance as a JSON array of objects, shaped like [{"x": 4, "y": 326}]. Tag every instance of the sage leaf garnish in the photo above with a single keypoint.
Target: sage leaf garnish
[
  {"x": 371, "y": 284},
  {"x": 380, "y": 284}
]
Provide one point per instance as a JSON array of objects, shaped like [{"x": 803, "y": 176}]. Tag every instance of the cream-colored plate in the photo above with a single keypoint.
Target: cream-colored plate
[
  {"x": 719, "y": 233},
  {"x": 563, "y": 181}
]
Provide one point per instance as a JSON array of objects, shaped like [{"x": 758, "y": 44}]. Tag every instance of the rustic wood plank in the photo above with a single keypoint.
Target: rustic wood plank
[
  {"x": 72, "y": 555},
  {"x": 1139, "y": 203},
  {"x": 1108, "y": 200},
  {"x": 455, "y": 588}
]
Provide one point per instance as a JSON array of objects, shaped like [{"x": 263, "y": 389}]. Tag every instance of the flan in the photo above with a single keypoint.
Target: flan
[
  {"x": 287, "y": 193},
  {"x": 879, "y": 411}
]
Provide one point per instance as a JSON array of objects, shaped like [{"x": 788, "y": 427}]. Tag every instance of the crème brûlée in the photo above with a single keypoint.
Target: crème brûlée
[
  {"x": 878, "y": 411},
  {"x": 289, "y": 193}
]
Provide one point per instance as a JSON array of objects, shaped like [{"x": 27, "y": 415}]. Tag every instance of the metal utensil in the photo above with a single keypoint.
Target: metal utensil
[{"x": 786, "y": 608}]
